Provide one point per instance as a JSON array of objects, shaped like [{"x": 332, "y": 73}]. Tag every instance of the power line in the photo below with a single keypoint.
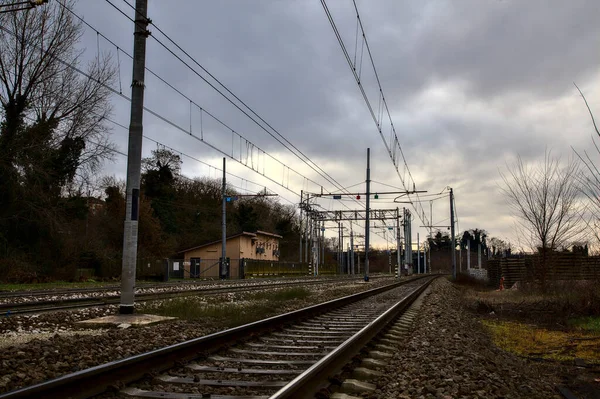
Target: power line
[
  {"x": 173, "y": 124},
  {"x": 122, "y": 153},
  {"x": 306, "y": 159},
  {"x": 394, "y": 142},
  {"x": 327, "y": 176},
  {"x": 323, "y": 174},
  {"x": 249, "y": 144}
]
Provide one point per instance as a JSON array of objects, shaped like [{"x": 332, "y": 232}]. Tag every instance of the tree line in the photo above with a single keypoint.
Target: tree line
[{"x": 55, "y": 214}]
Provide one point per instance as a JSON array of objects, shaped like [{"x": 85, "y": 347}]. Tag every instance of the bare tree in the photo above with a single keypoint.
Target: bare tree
[
  {"x": 545, "y": 200},
  {"x": 590, "y": 179},
  {"x": 43, "y": 85}
]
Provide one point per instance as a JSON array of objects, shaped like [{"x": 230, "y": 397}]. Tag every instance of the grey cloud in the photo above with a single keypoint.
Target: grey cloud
[{"x": 283, "y": 60}]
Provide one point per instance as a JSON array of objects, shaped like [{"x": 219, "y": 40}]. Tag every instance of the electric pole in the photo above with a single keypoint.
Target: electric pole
[
  {"x": 351, "y": 248},
  {"x": 418, "y": 255},
  {"x": 398, "y": 246},
  {"x": 453, "y": 241},
  {"x": 322, "y": 239},
  {"x": 300, "y": 226},
  {"x": 134, "y": 160},
  {"x": 367, "y": 215},
  {"x": 223, "y": 265}
]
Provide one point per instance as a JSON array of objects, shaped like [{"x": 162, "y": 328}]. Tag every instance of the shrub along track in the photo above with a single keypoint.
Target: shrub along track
[
  {"x": 36, "y": 302},
  {"x": 253, "y": 360}
]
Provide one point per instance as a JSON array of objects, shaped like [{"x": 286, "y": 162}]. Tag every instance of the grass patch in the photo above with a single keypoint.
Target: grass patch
[
  {"x": 532, "y": 341},
  {"x": 251, "y": 307},
  {"x": 591, "y": 324},
  {"x": 226, "y": 314},
  {"x": 287, "y": 294}
]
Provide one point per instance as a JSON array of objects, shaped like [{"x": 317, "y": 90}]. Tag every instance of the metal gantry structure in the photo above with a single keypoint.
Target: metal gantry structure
[{"x": 314, "y": 221}]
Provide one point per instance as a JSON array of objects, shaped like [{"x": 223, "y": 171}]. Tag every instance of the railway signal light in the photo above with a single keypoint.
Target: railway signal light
[
  {"x": 376, "y": 196},
  {"x": 358, "y": 196}
]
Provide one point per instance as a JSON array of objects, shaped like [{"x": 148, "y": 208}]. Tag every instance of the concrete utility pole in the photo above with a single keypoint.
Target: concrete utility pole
[
  {"x": 409, "y": 242},
  {"x": 351, "y": 249},
  {"x": 418, "y": 255},
  {"x": 340, "y": 249},
  {"x": 468, "y": 254},
  {"x": 134, "y": 160},
  {"x": 348, "y": 259},
  {"x": 430, "y": 228},
  {"x": 398, "y": 246},
  {"x": 306, "y": 233},
  {"x": 453, "y": 241},
  {"x": 322, "y": 235},
  {"x": 367, "y": 221},
  {"x": 425, "y": 250},
  {"x": 223, "y": 265},
  {"x": 300, "y": 225},
  {"x": 316, "y": 244}
]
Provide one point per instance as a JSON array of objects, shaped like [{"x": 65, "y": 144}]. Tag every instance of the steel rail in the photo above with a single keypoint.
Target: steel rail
[
  {"x": 315, "y": 378},
  {"x": 146, "y": 285},
  {"x": 74, "y": 303},
  {"x": 99, "y": 379}
]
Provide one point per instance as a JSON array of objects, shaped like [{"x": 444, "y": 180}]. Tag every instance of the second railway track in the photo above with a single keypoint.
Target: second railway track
[
  {"x": 286, "y": 356},
  {"x": 29, "y": 307}
]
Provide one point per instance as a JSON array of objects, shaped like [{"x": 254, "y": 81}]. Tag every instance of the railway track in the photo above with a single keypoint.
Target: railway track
[
  {"x": 288, "y": 356},
  {"x": 4, "y": 295},
  {"x": 33, "y": 306}
]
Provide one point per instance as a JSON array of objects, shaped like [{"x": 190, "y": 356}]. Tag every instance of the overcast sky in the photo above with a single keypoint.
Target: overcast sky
[{"x": 469, "y": 84}]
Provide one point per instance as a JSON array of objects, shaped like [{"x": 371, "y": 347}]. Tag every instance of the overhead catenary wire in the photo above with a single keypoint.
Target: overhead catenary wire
[
  {"x": 152, "y": 112},
  {"x": 121, "y": 152},
  {"x": 202, "y": 109},
  {"x": 299, "y": 154},
  {"x": 306, "y": 179},
  {"x": 164, "y": 119},
  {"x": 327, "y": 176},
  {"x": 187, "y": 155},
  {"x": 391, "y": 148}
]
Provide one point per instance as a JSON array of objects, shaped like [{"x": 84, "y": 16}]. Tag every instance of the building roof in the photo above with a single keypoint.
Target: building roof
[
  {"x": 264, "y": 233},
  {"x": 243, "y": 233}
]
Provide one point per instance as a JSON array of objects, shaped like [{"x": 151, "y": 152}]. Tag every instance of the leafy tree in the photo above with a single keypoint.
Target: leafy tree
[
  {"x": 52, "y": 129},
  {"x": 247, "y": 218},
  {"x": 440, "y": 241},
  {"x": 476, "y": 237},
  {"x": 159, "y": 185}
]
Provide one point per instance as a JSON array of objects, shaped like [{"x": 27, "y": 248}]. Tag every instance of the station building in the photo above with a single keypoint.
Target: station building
[{"x": 203, "y": 261}]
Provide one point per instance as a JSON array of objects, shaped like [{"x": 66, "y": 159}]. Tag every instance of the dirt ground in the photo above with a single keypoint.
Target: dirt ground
[{"x": 557, "y": 330}]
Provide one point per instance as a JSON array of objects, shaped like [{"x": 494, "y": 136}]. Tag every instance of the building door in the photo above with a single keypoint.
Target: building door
[{"x": 194, "y": 267}]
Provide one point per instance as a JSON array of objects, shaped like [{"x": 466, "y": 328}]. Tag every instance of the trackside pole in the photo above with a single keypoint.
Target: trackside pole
[{"x": 134, "y": 160}]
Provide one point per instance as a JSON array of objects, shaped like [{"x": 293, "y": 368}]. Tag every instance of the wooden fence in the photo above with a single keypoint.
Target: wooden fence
[{"x": 556, "y": 267}]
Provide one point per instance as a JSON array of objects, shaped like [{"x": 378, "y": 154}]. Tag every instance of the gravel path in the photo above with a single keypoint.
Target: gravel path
[
  {"x": 449, "y": 355},
  {"x": 46, "y": 346}
]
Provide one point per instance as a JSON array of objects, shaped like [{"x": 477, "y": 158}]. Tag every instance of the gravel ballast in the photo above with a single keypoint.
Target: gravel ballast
[
  {"x": 449, "y": 355},
  {"x": 39, "y": 348}
]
